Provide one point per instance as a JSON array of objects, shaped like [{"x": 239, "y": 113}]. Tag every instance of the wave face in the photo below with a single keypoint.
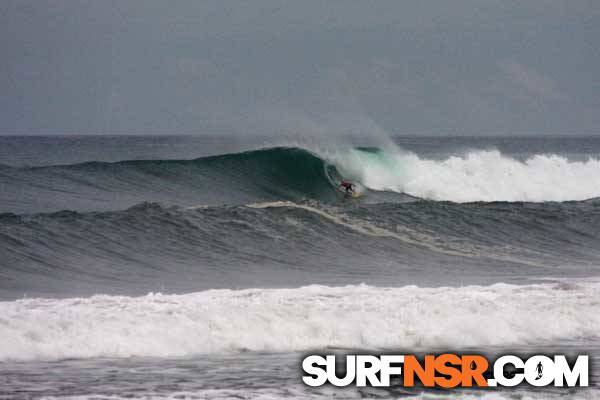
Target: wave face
[
  {"x": 151, "y": 247},
  {"x": 270, "y": 174},
  {"x": 295, "y": 174},
  {"x": 297, "y": 320}
]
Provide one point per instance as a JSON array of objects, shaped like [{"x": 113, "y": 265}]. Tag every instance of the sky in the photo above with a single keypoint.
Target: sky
[{"x": 412, "y": 67}]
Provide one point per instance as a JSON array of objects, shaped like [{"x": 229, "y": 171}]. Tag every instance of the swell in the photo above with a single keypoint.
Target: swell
[
  {"x": 151, "y": 247},
  {"x": 267, "y": 174},
  {"x": 295, "y": 174}
]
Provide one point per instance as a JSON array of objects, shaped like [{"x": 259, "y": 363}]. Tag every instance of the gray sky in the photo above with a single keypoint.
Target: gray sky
[{"x": 267, "y": 67}]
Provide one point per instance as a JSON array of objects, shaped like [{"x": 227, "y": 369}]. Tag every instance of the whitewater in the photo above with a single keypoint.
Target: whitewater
[
  {"x": 475, "y": 176},
  {"x": 301, "y": 319}
]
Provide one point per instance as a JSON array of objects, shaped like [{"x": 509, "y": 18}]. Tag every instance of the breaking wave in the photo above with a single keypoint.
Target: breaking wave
[
  {"x": 305, "y": 318},
  {"x": 295, "y": 174},
  {"x": 475, "y": 176}
]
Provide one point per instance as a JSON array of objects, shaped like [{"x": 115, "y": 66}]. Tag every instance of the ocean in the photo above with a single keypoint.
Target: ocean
[{"x": 200, "y": 267}]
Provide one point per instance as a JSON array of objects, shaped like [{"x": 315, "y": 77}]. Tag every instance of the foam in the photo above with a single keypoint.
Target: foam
[
  {"x": 312, "y": 317},
  {"x": 404, "y": 234},
  {"x": 475, "y": 176}
]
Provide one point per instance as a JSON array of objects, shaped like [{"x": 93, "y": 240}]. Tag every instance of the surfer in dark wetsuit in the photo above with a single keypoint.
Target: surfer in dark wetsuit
[{"x": 348, "y": 186}]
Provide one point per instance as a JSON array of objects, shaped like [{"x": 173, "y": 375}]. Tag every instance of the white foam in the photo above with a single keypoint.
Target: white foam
[
  {"x": 298, "y": 319},
  {"x": 476, "y": 176}
]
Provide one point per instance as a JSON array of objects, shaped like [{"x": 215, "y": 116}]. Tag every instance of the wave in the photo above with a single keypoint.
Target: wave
[
  {"x": 294, "y": 174},
  {"x": 475, "y": 176},
  {"x": 151, "y": 247},
  {"x": 276, "y": 173},
  {"x": 313, "y": 317}
]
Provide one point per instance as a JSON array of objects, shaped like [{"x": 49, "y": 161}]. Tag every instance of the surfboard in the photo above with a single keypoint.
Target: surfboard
[{"x": 354, "y": 194}]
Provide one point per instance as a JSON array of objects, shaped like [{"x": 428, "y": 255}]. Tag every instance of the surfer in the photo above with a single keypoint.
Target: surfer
[
  {"x": 349, "y": 187},
  {"x": 539, "y": 369}
]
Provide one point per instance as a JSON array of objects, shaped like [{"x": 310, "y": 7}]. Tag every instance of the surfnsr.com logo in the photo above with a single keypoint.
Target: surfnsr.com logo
[{"x": 445, "y": 371}]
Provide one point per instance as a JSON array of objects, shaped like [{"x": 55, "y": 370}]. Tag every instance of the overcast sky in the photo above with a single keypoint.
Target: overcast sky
[{"x": 267, "y": 67}]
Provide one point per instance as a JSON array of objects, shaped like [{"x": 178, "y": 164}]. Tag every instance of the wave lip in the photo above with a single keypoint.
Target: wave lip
[{"x": 305, "y": 318}]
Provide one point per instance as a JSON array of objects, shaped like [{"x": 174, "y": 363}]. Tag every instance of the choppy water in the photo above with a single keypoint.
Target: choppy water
[{"x": 252, "y": 257}]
